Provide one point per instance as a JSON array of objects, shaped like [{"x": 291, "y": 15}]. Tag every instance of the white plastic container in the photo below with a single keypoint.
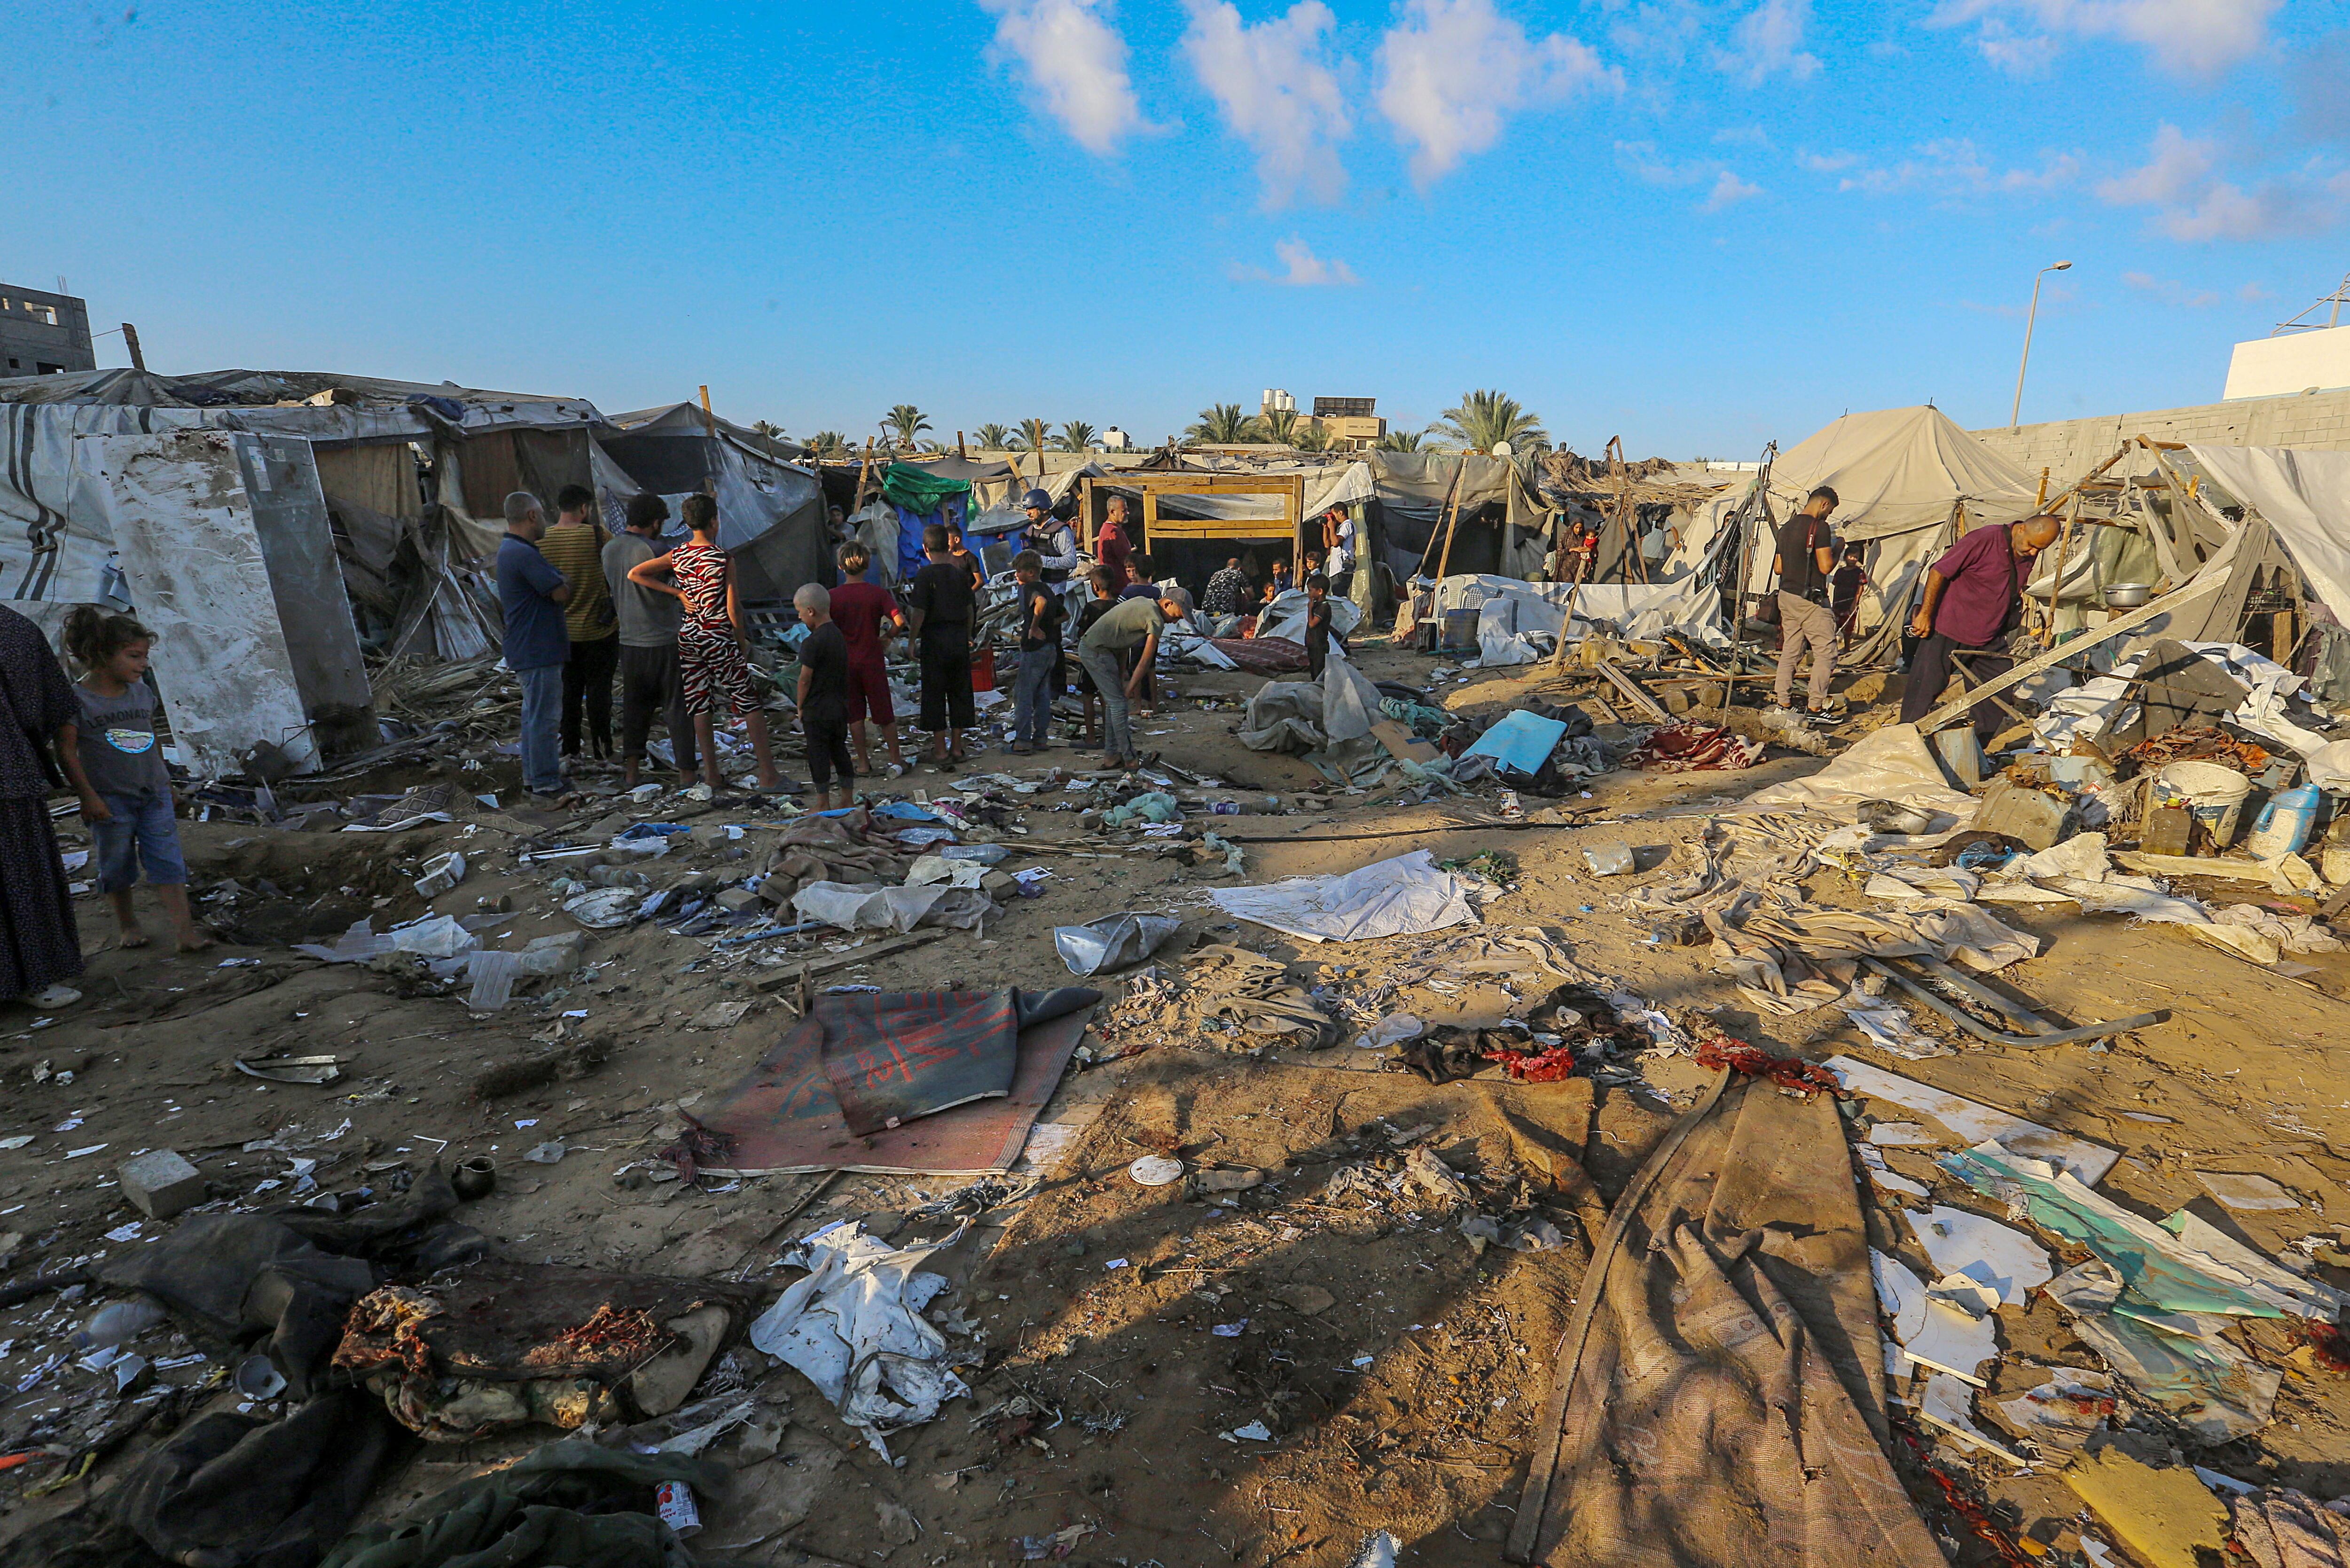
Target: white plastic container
[
  {"x": 2283, "y": 824},
  {"x": 2215, "y": 795}
]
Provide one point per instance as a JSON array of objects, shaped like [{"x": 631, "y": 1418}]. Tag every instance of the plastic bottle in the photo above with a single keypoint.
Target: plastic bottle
[{"x": 2284, "y": 823}]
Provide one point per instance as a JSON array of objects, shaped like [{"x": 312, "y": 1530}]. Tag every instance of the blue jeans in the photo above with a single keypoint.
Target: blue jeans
[
  {"x": 143, "y": 829},
  {"x": 542, "y": 728},
  {"x": 1032, "y": 696},
  {"x": 1109, "y": 682}
]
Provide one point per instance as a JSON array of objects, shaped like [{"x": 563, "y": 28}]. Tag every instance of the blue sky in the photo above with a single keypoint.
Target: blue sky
[{"x": 1697, "y": 226}]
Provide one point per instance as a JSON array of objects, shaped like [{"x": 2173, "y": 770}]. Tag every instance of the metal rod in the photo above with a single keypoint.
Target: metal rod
[{"x": 1980, "y": 1031}]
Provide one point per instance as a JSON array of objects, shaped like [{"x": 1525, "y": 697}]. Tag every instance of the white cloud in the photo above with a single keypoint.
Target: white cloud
[
  {"x": 1451, "y": 72},
  {"x": 1276, "y": 93},
  {"x": 1951, "y": 167},
  {"x": 2181, "y": 180},
  {"x": 1769, "y": 42},
  {"x": 2169, "y": 291},
  {"x": 1076, "y": 63},
  {"x": 2187, "y": 37},
  {"x": 1643, "y": 162},
  {"x": 1728, "y": 191},
  {"x": 1301, "y": 268}
]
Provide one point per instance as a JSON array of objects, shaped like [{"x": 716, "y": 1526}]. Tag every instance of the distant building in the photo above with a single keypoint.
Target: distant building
[
  {"x": 1275, "y": 401},
  {"x": 2303, "y": 355},
  {"x": 1115, "y": 440},
  {"x": 1349, "y": 422},
  {"x": 42, "y": 334}
]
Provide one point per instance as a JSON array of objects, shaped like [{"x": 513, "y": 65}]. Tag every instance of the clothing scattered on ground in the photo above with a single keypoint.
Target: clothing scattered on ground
[
  {"x": 577, "y": 550},
  {"x": 535, "y": 635},
  {"x": 646, "y": 617},
  {"x": 1980, "y": 574},
  {"x": 120, "y": 753}
]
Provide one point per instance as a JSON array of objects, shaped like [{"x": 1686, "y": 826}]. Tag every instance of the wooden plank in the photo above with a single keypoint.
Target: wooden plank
[
  {"x": 2253, "y": 551},
  {"x": 1952, "y": 711},
  {"x": 1647, "y": 706},
  {"x": 789, "y": 976}
]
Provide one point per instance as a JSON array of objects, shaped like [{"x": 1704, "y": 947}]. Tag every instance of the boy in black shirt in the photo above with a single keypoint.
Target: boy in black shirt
[
  {"x": 1040, "y": 647},
  {"x": 939, "y": 607},
  {"x": 824, "y": 697},
  {"x": 1319, "y": 633}
]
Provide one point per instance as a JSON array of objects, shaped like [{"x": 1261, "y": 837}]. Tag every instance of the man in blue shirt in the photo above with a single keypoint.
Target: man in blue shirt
[{"x": 533, "y": 592}]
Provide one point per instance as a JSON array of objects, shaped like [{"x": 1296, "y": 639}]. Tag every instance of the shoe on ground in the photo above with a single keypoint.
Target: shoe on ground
[{"x": 59, "y": 995}]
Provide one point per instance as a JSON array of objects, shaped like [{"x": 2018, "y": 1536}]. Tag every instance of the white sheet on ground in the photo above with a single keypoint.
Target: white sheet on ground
[
  {"x": 1890, "y": 764},
  {"x": 854, "y": 1327},
  {"x": 1406, "y": 895},
  {"x": 1975, "y": 1123}
]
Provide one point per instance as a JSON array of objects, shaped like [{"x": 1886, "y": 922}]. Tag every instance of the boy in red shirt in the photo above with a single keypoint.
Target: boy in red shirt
[{"x": 866, "y": 613}]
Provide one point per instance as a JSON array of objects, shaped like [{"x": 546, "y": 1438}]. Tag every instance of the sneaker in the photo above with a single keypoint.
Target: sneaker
[{"x": 58, "y": 995}]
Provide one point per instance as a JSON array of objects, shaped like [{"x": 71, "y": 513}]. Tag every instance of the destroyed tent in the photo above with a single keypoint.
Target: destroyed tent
[
  {"x": 1497, "y": 525},
  {"x": 1909, "y": 482},
  {"x": 238, "y": 511},
  {"x": 1189, "y": 536},
  {"x": 771, "y": 510}
]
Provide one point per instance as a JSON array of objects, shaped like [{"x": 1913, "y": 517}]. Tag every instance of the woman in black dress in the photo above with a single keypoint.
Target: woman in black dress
[{"x": 40, "y": 947}]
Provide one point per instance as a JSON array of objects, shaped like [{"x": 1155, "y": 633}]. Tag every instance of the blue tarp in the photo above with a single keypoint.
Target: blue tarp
[{"x": 1521, "y": 741}]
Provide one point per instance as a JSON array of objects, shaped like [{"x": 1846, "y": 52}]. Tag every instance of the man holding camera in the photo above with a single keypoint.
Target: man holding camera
[{"x": 1807, "y": 558}]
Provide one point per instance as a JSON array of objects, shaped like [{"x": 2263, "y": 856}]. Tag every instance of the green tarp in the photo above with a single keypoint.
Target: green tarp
[{"x": 918, "y": 490}]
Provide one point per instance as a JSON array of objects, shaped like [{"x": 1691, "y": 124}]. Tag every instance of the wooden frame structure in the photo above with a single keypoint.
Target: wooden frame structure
[{"x": 1289, "y": 487}]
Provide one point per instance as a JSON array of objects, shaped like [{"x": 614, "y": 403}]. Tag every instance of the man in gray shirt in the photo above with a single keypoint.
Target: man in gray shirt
[{"x": 648, "y": 623}]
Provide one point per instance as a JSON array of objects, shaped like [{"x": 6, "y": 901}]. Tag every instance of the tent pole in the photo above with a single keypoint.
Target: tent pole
[{"x": 1452, "y": 502}]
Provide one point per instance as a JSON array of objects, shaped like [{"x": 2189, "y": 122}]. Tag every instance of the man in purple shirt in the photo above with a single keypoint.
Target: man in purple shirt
[{"x": 1971, "y": 597}]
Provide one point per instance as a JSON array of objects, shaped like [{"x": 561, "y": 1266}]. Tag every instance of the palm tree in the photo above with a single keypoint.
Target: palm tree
[
  {"x": 995, "y": 438},
  {"x": 767, "y": 428},
  {"x": 1077, "y": 436},
  {"x": 931, "y": 447},
  {"x": 1400, "y": 441},
  {"x": 906, "y": 420},
  {"x": 1034, "y": 434},
  {"x": 1483, "y": 418},
  {"x": 829, "y": 445},
  {"x": 1222, "y": 425},
  {"x": 1279, "y": 424},
  {"x": 1310, "y": 437}
]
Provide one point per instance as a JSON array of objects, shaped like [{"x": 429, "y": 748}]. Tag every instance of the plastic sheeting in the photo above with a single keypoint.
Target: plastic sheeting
[
  {"x": 1513, "y": 614},
  {"x": 862, "y": 906},
  {"x": 1406, "y": 895},
  {"x": 1113, "y": 944},
  {"x": 1889, "y": 764},
  {"x": 2305, "y": 496},
  {"x": 854, "y": 1327}
]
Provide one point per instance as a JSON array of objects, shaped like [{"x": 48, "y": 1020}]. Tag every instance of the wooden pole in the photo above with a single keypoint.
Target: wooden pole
[
  {"x": 130, "y": 342},
  {"x": 2041, "y": 499},
  {"x": 1451, "y": 496},
  {"x": 1567, "y": 617},
  {"x": 959, "y": 451},
  {"x": 2056, "y": 580}
]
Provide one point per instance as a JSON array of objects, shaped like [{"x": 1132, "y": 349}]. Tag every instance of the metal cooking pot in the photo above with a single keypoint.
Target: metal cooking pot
[{"x": 2128, "y": 595}]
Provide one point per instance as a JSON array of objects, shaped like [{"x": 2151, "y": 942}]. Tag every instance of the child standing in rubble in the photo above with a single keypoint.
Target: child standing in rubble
[{"x": 126, "y": 791}]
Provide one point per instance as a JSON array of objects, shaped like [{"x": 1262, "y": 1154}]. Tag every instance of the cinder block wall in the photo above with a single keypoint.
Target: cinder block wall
[{"x": 2068, "y": 448}]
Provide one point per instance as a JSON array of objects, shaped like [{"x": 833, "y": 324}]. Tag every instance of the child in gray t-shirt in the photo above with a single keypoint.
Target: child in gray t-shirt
[{"x": 128, "y": 800}]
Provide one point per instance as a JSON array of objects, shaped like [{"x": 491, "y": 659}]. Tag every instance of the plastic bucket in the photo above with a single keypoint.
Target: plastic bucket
[
  {"x": 1461, "y": 630},
  {"x": 2214, "y": 794},
  {"x": 983, "y": 668}
]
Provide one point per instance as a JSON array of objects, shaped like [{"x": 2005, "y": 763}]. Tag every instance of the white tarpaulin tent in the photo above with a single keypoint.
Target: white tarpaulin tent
[
  {"x": 2305, "y": 496},
  {"x": 1508, "y": 609},
  {"x": 1907, "y": 482}
]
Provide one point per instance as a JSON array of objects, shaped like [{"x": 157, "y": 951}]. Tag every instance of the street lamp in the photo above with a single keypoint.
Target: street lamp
[{"x": 2015, "y": 415}]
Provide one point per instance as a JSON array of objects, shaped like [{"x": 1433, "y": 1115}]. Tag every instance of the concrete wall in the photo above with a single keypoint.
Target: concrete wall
[
  {"x": 2069, "y": 448},
  {"x": 2289, "y": 364},
  {"x": 30, "y": 346}
]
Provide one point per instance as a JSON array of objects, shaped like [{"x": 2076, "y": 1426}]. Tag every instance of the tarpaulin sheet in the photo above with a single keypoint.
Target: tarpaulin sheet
[
  {"x": 1408, "y": 895},
  {"x": 2305, "y": 496},
  {"x": 1717, "y": 1399},
  {"x": 1889, "y": 764},
  {"x": 785, "y": 1116},
  {"x": 1519, "y": 740}
]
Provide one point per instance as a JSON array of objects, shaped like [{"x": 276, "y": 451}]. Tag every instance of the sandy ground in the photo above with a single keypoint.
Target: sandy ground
[{"x": 1397, "y": 1370}]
